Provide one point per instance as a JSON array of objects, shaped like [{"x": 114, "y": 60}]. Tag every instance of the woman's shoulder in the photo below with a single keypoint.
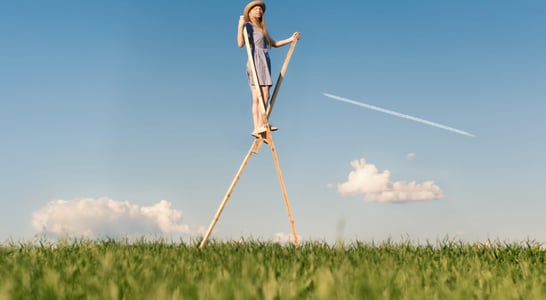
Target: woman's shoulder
[{"x": 249, "y": 26}]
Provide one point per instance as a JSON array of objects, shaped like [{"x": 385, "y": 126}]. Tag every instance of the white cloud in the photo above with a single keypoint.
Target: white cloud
[
  {"x": 376, "y": 187},
  {"x": 284, "y": 238},
  {"x": 410, "y": 156},
  {"x": 104, "y": 217}
]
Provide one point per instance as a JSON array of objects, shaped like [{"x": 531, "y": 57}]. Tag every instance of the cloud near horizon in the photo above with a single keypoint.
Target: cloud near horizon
[
  {"x": 366, "y": 180},
  {"x": 284, "y": 238},
  {"x": 104, "y": 217}
]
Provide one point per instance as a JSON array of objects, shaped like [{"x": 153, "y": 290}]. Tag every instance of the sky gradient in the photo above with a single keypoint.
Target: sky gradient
[{"x": 132, "y": 118}]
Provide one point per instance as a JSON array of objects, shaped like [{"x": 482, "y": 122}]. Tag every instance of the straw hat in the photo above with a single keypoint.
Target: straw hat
[{"x": 250, "y": 5}]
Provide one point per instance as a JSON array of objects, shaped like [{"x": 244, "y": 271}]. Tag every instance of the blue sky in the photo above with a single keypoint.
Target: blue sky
[{"x": 114, "y": 107}]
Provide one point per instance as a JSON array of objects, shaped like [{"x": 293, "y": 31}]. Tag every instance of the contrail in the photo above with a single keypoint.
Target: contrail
[{"x": 390, "y": 112}]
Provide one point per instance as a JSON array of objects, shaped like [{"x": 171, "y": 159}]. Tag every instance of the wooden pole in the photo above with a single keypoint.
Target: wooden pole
[
  {"x": 228, "y": 193},
  {"x": 253, "y": 68},
  {"x": 283, "y": 187},
  {"x": 281, "y": 76}
]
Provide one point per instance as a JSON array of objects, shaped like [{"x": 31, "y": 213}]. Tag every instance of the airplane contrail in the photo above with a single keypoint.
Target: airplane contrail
[{"x": 397, "y": 114}]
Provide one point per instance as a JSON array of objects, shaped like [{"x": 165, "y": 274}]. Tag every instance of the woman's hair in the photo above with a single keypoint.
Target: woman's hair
[{"x": 260, "y": 24}]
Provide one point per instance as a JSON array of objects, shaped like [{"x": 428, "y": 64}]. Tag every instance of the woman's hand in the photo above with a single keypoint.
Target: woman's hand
[
  {"x": 296, "y": 36},
  {"x": 240, "y": 28},
  {"x": 242, "y": 21}
]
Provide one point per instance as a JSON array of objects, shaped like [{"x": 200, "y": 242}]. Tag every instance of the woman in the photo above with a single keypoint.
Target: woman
[{"x": 260, "y": 42}]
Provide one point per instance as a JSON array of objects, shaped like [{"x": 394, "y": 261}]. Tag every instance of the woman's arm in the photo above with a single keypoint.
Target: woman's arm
[
  {"x": 240, "y": 37},
  {"x": 281, "y": 43}
]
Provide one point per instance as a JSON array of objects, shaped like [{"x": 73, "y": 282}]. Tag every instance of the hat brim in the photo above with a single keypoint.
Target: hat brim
[{"x": 250, "y": 5}]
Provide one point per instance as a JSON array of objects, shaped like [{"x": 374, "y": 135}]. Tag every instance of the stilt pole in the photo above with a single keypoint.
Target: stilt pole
[
  {"x": 281, "y": 76},
  {"x": 283, "y": 187},
  {"x": 228, "y": 193},
  {"x": 253, "y": 68}
]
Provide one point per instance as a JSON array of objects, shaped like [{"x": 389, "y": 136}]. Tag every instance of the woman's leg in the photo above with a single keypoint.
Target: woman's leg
[
  {"x": 257, "y": 116},
  {"x": 265, "y": 93},
  {"x": 255, "y": 109}
]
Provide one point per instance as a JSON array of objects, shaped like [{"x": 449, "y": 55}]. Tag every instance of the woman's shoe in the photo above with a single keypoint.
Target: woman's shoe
[{"x": 258, "y": 131}]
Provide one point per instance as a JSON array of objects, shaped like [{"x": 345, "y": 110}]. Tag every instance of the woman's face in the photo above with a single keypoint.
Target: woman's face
[{"x": 256, "y": 12}]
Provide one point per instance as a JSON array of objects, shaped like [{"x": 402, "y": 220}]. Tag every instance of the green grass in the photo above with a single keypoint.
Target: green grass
[{"x": 262, "y": 270}]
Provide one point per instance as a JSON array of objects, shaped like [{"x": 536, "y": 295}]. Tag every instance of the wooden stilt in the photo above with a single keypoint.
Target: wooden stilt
[
  {"x": 228, "y": 193},
  {"x": 281, "y": 77},
  {"x": 254, "y": 74},
  {"x": 283, "y": 187}
]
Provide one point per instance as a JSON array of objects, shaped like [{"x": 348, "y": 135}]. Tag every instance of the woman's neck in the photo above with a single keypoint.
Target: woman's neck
[{"x": 256, "y": 22}]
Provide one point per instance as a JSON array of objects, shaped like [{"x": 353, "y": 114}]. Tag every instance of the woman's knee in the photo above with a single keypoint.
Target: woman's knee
[{"x": 265, "y": 91}]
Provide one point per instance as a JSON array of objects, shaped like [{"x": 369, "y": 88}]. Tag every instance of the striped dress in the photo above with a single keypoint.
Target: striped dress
[{"x": 260, "y": 48}]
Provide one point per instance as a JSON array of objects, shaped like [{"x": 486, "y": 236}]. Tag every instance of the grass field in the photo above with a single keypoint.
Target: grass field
[{"x": 263, "y": 270}]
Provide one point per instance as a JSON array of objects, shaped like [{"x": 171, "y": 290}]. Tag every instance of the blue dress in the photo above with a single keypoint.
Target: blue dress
[{"x": 259, "y": 48}]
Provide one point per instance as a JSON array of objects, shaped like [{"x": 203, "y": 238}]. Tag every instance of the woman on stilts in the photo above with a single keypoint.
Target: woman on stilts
[{"x": 260, "y": 42}]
